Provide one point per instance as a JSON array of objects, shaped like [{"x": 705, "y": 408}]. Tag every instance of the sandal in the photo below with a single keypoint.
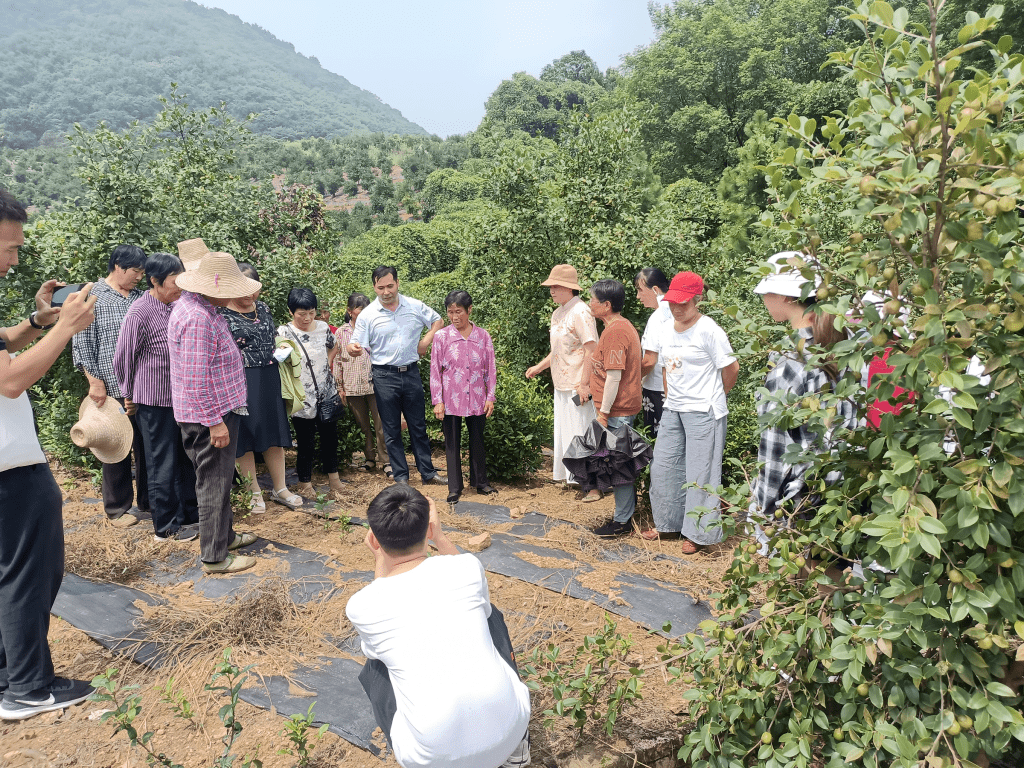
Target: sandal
[
  {"x": 367, "y": 466},
  {"x": 388, "y": 472},
  {"x": 591, "y": 497},
  {"x": 257, "y": 505},
  {"x": 287, "y": 498},
  {"x": 690, "y": 548}
]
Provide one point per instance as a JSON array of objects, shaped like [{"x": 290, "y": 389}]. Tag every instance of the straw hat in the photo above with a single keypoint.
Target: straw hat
[
  {"x": 106, "y": 430},
  {"x": 191, "y": 252},
  {"x": 565, "y": 276},
  {"x": 218, "y": 276},
  {"x": 785, "y": 279}
]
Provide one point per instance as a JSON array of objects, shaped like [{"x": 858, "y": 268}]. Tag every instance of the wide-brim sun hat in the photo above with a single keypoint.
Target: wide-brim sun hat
[
  {"x": 218, "y": 277},
  {"x": 105, "y": 430},
  {"x": 563, "y": 275},
  {"x": 191, "y": 252},
  {"x": 786, "y": 278},
  {"x": 684, "y": 287}
]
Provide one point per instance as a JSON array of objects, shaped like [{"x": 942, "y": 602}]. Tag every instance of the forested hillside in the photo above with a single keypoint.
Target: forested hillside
[{"x": 90, "y": 60}]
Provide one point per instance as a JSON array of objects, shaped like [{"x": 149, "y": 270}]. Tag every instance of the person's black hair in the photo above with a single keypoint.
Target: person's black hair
[
  {"x": 160, "y": 266},
  {"x": 11, "y": 209},
  {"x": 460, "y": 297},
  {"x": 653, "y": 278},
  {"x": 301, "y": 298},
  {"x": 356, "y": 301},
  {"x": 248, "y": 270},
  {"x": 611, "y": 291},
  {"x": 399, "y": 516},
  {"x": 383, "y": 271},
  {"x": 126, "y": 257}
]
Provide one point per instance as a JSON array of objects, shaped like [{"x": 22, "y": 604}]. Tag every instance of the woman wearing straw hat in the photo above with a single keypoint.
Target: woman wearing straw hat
[
  {"x": 143, "y": 367},
  {"x": 209, "y": 396},
  {"x": 573, "y": 341}
]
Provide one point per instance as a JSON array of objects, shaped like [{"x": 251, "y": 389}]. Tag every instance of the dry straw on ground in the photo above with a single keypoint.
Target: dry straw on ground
[{"x": 90, "y": 552}]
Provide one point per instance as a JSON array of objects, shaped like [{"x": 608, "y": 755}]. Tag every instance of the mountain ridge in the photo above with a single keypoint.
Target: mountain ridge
[{"x": 92, "y": 60}]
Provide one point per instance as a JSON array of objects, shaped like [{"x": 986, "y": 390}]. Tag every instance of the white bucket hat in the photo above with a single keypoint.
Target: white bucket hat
[
  {"x": 105, "y": 430},
  {"x": 786, "y": 279},
  {"x": 218, "y": 276}
]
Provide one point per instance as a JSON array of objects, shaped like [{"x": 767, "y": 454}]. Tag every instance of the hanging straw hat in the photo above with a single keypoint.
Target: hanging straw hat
[
  {"x": 565, "y": 276},
  {"x": 191, "y": 252},
  {"x": 106, "y": 430},
  {"x": 218, "y": 276}
]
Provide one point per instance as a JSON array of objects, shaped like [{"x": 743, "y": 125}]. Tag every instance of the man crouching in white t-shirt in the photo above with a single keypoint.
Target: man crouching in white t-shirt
[{"x": 440, "y": 672}]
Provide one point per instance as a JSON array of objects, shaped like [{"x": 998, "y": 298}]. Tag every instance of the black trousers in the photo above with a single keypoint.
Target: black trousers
[
  {"x": 118, "y": 492},
  {"x": 451, "y": 426},
  {"x": 305, "y": 436},
  {"x": 215, "y": 470},
  {"x": 376, "y": 681},
  {"x": 170, "y": 476},
  {"x": 31, "y": 570},
  {"x": 653, "y": 406}
]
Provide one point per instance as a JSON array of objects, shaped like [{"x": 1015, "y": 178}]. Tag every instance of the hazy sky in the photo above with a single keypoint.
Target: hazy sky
[{"x": 438, "y": 62}]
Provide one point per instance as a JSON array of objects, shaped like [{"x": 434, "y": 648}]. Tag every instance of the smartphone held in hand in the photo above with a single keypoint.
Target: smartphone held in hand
[{"x": 61, "y": 294}]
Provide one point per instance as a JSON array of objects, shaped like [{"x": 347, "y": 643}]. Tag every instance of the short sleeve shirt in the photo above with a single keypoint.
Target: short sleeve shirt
[
  {"x": 314, "y": 346},
  {"x": 253, "y": 335},
  {"x": 618, "y": 350},
  {"x": 391, "y": 336},
  {"x": 693, "y": 361},
  {"x": 656, "y": 323},
  {"x": 572, "y": 326},
  {"x": 19, "y": 446}
]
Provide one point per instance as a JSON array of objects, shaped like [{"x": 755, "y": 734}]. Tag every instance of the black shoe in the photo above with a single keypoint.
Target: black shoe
[
  {"x": 611, "y": 529},
  {"x": 401, "y": 481},
  {"x": 185, "y": 533},
  {"x": 59, "y": 694},
  {"x": 435, "y": 479},
  {"x": 453, "y": 497},
  {"x": 486, "y": 490}
]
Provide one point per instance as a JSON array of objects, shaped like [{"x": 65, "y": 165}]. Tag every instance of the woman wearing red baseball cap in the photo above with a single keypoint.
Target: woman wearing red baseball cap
[{"x": 699, "y": 370}]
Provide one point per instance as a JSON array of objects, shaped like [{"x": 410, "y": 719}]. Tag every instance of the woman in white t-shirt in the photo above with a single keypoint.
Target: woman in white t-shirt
[{"x": 699, "y": 371}]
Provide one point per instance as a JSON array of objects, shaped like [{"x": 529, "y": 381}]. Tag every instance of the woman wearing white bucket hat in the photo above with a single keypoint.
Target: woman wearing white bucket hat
[
  {"x": 783, "y": 292},
  {"x": 209, "y": 394}
]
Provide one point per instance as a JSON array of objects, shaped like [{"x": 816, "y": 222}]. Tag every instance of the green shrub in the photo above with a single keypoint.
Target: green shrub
[{"x": 522, "y": 424}]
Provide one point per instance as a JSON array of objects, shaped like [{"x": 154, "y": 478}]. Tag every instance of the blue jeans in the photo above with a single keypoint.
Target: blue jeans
[
  {"x": 625, "y": 495},
  {"x": 398, "y": 393}
]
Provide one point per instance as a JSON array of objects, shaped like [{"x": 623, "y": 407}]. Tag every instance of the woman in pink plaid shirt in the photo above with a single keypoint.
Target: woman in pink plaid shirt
[{"x": 463, "y": 377}]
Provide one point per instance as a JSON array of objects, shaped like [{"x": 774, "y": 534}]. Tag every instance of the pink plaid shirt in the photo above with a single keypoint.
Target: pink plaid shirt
[
  {"x": 463, "y": 375},
  {"x": 207, "y": 375}
]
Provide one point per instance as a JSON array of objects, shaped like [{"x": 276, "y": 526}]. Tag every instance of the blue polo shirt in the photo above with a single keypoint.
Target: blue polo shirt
[{"x": 391, "y": 337}]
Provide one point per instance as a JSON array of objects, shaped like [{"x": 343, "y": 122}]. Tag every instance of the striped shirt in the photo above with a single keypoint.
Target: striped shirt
[
  {"x": 141, "y": 360},
  {"x": 207, "y": 376},
  {"x": 92, "y": 350},
  {"x": 391, "y": 336}
]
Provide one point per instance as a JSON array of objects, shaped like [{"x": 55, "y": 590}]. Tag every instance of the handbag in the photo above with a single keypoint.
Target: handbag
[{"x": 329, "y": 408}]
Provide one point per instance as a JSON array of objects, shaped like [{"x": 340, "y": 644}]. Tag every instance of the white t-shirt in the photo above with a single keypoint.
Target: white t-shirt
[
  {"x": 693, "y": 361},
  {"x": 658, "y": 320},
  {"x": 460, "y": 705},
  {"x": 19, "y": 446}
]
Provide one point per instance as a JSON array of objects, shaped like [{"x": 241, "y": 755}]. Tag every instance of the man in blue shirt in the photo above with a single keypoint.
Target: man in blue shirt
[{"x": 389, "y": 330}]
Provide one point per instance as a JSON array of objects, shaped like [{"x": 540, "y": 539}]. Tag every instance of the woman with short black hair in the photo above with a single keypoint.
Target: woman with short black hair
[
  {"x": 265, "y": 429},
  {"x": 318, "y": 350},
  {"x": 142, "y": 365}
]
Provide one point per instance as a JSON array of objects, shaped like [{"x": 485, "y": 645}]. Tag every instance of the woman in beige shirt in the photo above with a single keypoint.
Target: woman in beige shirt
[{"x": 573, "y": 340}]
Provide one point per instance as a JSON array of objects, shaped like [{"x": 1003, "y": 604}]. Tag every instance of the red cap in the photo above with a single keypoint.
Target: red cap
[{"x": 684, "y": 287}]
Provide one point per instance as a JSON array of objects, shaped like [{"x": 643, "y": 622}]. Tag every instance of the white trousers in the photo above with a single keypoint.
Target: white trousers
[{"x": 571, "y": 420}]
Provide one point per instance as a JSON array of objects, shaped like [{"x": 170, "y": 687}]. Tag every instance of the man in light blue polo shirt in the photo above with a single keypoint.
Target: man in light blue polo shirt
[{"x": 389, "y": 330}]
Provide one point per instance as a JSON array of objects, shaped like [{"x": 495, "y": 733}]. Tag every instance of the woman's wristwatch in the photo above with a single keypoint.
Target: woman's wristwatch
[{"x": 37, "y": 326}]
